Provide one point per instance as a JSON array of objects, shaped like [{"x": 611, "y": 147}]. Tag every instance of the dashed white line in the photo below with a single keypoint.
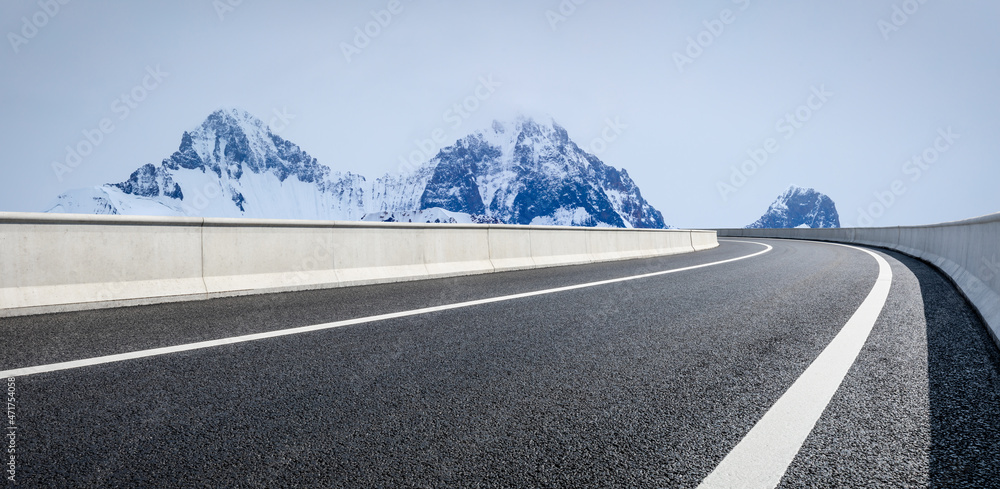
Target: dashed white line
[
  {"x": 762, "y": 457},
  {"x": 20, "y": 372}
]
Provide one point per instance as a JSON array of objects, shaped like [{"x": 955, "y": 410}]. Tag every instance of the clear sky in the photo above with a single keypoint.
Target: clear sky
[{"x": 868, "y": 85}]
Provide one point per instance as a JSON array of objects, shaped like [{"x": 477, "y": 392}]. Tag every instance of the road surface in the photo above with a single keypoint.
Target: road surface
[{"x": 644, "y": 373}]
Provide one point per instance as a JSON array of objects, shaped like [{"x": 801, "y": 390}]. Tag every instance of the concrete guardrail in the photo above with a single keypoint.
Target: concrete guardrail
[
  {"x": 59, "y": 262},
  {"x": 967, "y": 251}
]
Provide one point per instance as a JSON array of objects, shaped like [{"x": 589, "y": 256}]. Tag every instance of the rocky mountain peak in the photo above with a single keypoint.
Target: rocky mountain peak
[{"x": 799, "y": 207}]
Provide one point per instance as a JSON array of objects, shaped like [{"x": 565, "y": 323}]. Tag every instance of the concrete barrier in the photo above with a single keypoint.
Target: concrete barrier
[
  {"x": 510, "y": 248},
  {"x": 257, "y": 255},
  {"x": 554, "y": 246},
  {"x": 701, "y": 240},
  {"x": 51, "y": 259},
  {"x": 53, "y": 262},
  {"x": 967, "y": 251}
]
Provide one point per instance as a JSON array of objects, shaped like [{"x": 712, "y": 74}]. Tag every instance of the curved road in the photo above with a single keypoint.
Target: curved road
[{"x": 641, "y": 382}]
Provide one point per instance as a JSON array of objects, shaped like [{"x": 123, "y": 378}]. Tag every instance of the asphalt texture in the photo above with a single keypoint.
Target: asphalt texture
[{"x": 645, "y": 383}]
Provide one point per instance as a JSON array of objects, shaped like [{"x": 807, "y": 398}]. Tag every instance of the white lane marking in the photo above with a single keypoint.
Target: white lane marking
[
  {"x": 762, "y": 457},
  {"x": 20, "y": 372}
]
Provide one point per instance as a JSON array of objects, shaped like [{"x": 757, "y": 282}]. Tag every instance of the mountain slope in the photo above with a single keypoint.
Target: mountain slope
[
  {"x": 799, "y": 207},
  {"x": 232, "y": 165}
]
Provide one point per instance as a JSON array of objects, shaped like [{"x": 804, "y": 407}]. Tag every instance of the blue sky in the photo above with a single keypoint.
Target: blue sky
[{"x": 716, "y": 106}]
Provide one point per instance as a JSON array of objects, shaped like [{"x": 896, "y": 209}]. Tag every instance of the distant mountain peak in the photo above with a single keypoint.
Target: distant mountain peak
[
  {"x": 232, "y": 141},
  {"x": 799, "y": 207},
  {"x": 232, "y": 120}
]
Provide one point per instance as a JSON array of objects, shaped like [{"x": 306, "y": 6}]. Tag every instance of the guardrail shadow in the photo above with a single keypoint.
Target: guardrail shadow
[{"x": 963, "y": 366}]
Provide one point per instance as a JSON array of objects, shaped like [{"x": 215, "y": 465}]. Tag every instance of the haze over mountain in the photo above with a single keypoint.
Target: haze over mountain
[{"x": 519, "y": 172}]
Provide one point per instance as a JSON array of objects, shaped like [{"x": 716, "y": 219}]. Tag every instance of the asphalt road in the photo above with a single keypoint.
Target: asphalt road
[{"x": 641, "y": 383}]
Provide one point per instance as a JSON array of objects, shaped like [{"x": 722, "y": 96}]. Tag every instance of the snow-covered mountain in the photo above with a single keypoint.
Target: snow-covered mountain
[
  {"x": 800, "y": 207},
  {"x": 521, "y": 172},
  {"x": 530, "y": 173}
]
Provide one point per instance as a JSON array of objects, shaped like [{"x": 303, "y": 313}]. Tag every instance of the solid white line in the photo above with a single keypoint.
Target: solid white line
[
  {"x": 762, "y": 457},
  {"x": 20, "y": 372}
]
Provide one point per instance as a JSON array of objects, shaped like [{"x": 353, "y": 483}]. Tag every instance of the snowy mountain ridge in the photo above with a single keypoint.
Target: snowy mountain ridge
[{"x": 233, "y": 165}]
